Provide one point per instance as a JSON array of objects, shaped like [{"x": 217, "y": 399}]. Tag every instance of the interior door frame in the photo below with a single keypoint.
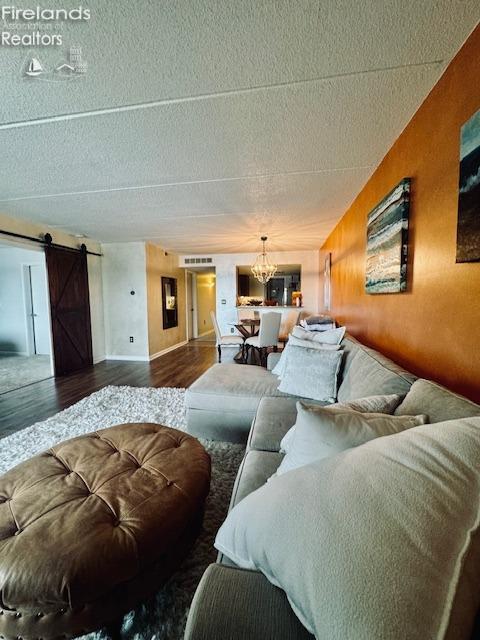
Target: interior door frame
[
  {"x": 191, "y": 289},
  {"x": 29, "y": 308},
  {"x": 29, "y": 246}
]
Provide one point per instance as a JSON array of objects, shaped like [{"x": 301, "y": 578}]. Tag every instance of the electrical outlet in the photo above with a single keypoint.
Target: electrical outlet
[
  {"x": 232, "y": 329},
  {"x": 131, "y": 338}
]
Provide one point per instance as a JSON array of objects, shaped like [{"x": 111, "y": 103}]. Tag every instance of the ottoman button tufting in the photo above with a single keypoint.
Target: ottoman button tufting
[{"x": 101, "y": 585}]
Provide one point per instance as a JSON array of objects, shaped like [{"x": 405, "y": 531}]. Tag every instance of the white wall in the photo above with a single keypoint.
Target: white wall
[
  {"x": 226, "y": 282},
  {"x": 94, "y": 271},
  {"x": 123, "y": 271},
  {"x": 95, "y": 287},
  {"x": 14, "y": 324}
]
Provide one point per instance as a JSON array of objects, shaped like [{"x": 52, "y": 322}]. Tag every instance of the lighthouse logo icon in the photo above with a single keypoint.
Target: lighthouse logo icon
[{"x": 75, "y": 65}]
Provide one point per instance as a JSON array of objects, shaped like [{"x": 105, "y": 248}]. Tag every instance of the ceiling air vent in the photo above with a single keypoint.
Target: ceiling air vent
[{"x": 198, "y": 260}]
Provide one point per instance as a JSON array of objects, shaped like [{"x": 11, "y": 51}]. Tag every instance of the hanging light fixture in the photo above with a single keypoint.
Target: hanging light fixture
[{"x": 263, "y": 269}]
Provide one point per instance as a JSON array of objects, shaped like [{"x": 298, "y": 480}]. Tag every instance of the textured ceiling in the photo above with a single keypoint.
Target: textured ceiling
[{"x": 201, "y": 125}]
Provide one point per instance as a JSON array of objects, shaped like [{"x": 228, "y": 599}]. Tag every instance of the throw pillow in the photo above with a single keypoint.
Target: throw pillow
[
  {"x": 323, "y": 326},
  {"x": 318, "y": 319},
  {"x": 312, "y": 344},
  {"x": 380, "y": 542},
  {"x": 332, "y": 336},
  {"x": 311, "y": 373},
  {"x": 321, "y": 432},
  {"x": 371, "y": 404},
  {"x": 279, "y": 368}
]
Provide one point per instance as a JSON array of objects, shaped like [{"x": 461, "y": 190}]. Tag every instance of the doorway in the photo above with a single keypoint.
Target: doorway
[
  {"x": 192, "y": 329},
  {"x": 36, "y": 310},
  {"x": 25, "y": 335},
  {"x": 201, "y": 300}
]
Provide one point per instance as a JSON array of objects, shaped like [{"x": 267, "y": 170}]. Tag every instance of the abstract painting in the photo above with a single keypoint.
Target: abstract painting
[
  {"x": 387, "y": 242},
  {"x": 468, "y": 229}
]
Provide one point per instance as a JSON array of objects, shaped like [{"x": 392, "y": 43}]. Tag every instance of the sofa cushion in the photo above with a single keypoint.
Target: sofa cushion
[
  {"x": 350, "y": 347},
  {"x": 235, "y": 604},
  {"x": 273, "y": 359},
  {"x": 231, "y": 387},
  {"x": 322, "y": 432},
  {"x": 274, "y": 417},
  {"x": 437, "y": 402},
  {"x": 253, "y": 473},
  {"x": 370, "y": 373},
  {"x": 225, "y": 426},
  {"x": 390, "y": 529},
  {"x": 371, "y": 404}
]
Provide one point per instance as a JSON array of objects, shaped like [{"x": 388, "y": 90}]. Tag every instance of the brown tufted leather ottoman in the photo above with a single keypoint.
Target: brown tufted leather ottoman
[{"x": 94, "y": 525}]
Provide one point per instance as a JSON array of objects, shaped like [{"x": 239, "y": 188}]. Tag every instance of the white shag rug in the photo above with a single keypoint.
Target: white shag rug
[{"x": 164, "y": 616}]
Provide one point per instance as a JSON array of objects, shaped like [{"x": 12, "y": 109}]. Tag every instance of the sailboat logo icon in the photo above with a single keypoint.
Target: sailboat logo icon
[
  {"x": 73, "y": 68},
  {"x": 34, "y": 68}
]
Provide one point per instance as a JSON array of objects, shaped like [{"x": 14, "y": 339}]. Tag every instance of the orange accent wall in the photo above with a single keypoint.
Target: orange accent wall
[{"x": 433, "y": 329}]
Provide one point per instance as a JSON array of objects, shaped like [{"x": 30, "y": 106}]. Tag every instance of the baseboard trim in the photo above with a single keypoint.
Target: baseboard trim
[
  {"x": 99, "y": 359},
  {"x": 154, "y": 356}
]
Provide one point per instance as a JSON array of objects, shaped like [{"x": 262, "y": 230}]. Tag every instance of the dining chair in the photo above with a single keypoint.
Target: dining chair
[
  {"x": 224, "y": 341},
  {"x": 267, "y": 336},
  {"x": 289, "y": 321}
]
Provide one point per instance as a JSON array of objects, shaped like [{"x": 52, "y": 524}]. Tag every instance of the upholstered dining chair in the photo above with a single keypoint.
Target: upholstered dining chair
[
  {"x": 224, "y": 341},
  {"x": 267, "y": 336},
  {"x": 289, "y": 320}
]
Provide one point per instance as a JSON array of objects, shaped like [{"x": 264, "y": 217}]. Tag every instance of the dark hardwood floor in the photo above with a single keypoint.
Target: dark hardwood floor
[{"x": 38, "y": 401}]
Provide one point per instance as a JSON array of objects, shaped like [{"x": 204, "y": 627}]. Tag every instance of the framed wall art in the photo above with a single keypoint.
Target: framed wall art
[
  {"x": 387, "y": 242},
  {"x": 468, "y": 226},
  {"x": 169, "y": 303}
]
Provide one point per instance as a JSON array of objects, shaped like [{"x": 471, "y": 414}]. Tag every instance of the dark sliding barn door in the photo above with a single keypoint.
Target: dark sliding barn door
[{"x": 70, "y": 309}]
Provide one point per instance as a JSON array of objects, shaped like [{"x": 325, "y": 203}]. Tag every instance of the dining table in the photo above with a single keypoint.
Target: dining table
[{"x": 248, "y": 328}]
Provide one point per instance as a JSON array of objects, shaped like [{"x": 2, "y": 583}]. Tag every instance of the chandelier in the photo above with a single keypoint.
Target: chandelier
[{"x": 263, "y": 269}]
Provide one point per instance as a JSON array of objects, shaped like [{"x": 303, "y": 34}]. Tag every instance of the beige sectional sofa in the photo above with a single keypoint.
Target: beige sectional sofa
[{"x": 242, "y": 404}]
